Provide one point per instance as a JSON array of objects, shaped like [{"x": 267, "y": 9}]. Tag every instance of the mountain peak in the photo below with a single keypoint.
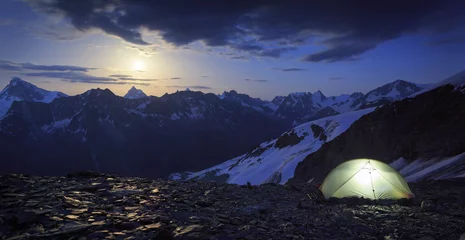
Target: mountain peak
[
  {"x": 20, "y": 90},
  {"x": 17, "y": 80},
  {"x": 135, "y": 93}
]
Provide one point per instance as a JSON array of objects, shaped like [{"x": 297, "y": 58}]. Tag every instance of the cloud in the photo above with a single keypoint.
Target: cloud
[
  {"x": 339, "y": 53},
  {"x": 145, "y": 50},
  {"x": 71, "y": 76},
  {"x": 205, "y": 76},
  {"x": 80, "y": 77},
  {"x": 346, "y": 29},
  {"x": 175, "y": 78},
  {"x": 13, "y": 66},
  {"x": 5, "y": 22},
  {"x": 335, "y": 78},
  {"x": 120, "y": 76},
  {"x": 290, "y": 69},
  {"x": 138, "y": 79},
  {"x": 256, "y": 80},
  {"x": 239, "y": 58},
  {"x": 190, "y": 87}
]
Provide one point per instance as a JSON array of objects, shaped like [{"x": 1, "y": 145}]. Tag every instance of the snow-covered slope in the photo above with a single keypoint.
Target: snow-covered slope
[
  {"x": 435, "y": 168},
  {"x": 135, "y": 93},
  {"x": 274, "y": 161},
  {"x": 20, "y": 90},
  {"x": 456, "y": 80}
]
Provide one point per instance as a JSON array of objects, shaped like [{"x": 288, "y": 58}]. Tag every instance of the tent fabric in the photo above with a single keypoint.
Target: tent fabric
[{"x": 367, "y": 178}]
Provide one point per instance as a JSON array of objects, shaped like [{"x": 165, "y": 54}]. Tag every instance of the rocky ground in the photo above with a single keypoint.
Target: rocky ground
[{"x": 93, "y": 206}]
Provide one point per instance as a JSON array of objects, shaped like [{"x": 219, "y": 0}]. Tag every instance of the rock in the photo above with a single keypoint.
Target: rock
[
  {"x": 426, "y": 238},
  {"x": 204, "y": 203},
  {"x": 72, "y": 217},
  {"x": 87, "y": 173},
  {"x": 153, "y": 226},
  {"x": 25, "y": 217},
  {"x": 128, "y": 225},
  {"x": 71, "y": 201},
  {"x": 428, "y": 205},
  {"x": 190, "y": 232},
  {"x": 71, "y": 228},
  {"x": 462, "y": 237},
  {"x": 149, "y": 219}
]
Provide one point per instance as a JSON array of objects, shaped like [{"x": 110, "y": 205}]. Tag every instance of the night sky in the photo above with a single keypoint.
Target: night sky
[{"x": 262, "y": 48}]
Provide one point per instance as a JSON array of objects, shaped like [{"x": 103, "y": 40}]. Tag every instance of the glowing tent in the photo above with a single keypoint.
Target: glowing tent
[{"x": 366, "y": 178}]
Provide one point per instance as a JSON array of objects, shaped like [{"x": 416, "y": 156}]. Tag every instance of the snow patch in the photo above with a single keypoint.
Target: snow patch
[{"x": 61, "y": 124}]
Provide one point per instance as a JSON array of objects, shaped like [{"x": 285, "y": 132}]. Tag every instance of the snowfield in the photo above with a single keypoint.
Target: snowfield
[{"x": 270, "y": 164}]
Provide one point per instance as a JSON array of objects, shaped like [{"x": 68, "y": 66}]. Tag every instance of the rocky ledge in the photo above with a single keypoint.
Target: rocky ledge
[{"x": 94, "y": 206}]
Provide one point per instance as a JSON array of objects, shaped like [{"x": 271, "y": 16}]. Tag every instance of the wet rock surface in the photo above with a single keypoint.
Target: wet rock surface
[{"x": 96, "y": 206}]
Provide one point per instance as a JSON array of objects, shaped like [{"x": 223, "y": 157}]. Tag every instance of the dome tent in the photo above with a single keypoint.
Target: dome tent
[{"x": 365, "y": 178}]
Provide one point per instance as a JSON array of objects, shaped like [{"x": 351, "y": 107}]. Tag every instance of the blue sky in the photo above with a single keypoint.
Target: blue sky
[{"x": 172, "y": 57}]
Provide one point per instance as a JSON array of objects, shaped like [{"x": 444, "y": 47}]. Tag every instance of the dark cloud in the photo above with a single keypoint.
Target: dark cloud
[
  {"x": 175, "y": 78},
  {"x": 120, "y": 76},
  {"x": 205, "y": 76},
  {"x": 256, "y": 80},
  {"x": 138, "y": 79},
  {"x": 80, "y": 77},
  {"x": 339, "y": 53},
  {"x": 106, "y": 82},
  {"x": 71, "y": 76},
  {"x": 290, "y": 69},
  {"x": 190, "y": 87},
  {"x": 264, "y": 28},
  {"x": 335, "y": 78},
  {"x": 13, "y": 66},
  {"x": 239, "y": 58}
]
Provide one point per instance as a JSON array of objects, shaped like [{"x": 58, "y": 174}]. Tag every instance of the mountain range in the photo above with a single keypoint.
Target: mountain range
[
  {"x": 422, "y": 136},
  {"x": 302, "y": 107},
  {"x": 45, "y": 132}
]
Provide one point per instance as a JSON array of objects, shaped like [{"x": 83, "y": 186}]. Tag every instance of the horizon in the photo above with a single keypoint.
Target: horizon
[{"x": 249, "y": 47}]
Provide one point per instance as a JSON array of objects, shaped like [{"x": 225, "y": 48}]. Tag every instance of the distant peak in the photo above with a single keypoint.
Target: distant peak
[
  {"x": 16, "y": 80},
  {"x": 188, "y": 90},
  {"x": 135, "y": 93},
  {"x": 319, "y": 93}
]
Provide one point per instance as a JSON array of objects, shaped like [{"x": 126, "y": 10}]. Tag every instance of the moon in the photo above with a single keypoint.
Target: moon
[{"x": 138, "y": 65}]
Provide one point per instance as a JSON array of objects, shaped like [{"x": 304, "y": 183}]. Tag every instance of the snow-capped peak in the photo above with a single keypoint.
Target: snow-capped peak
[
  {"x": 20, "y": 90},
  {"x": 135, "y": 93},
  {"x": 318, "y": 96},
  {"x": 188, "y": 90}
]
